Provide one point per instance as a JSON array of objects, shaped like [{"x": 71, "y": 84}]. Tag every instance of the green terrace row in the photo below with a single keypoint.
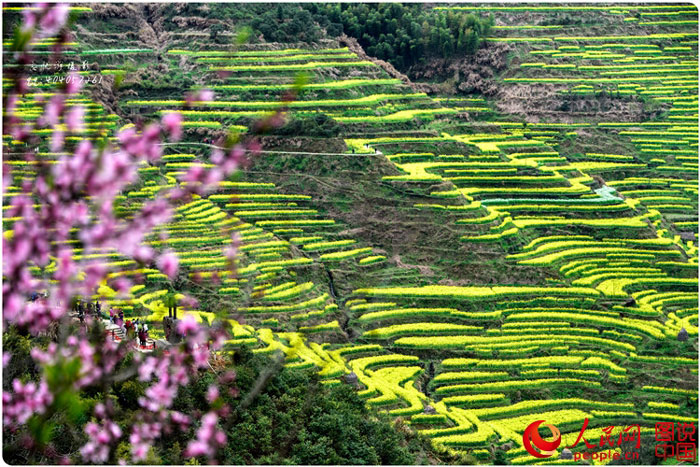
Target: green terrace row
[
  {"x": 360, "y": 101},
  {"x": 259, "y": 53}
]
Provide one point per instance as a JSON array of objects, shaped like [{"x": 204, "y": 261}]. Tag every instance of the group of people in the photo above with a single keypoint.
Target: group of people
[
  {"x": 132, "y": 329},
  {"x": 116, "y": 317},
  {"x": 137, "y": 328},
  {"x": 87, "y": 308}
]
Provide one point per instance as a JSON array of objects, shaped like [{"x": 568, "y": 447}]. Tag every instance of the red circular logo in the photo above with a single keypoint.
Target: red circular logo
[{"x": 532, "y": 437}]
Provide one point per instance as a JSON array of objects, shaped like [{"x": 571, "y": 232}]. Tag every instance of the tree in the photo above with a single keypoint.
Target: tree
[
  {"x": 215, "y": 30},
  {"x": 472, "y": 42}
]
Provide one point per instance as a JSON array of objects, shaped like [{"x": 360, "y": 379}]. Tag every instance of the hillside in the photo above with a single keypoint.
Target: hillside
[{"x": 483, "y": 240}]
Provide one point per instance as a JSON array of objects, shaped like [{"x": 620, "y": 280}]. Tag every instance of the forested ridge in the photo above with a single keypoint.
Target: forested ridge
[{"x": 402, "y": 34}]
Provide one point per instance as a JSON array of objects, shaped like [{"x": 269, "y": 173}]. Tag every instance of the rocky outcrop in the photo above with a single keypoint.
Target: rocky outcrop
[
  {"x": 355, "y": 47},
  {"x": 468, "y": 74}
]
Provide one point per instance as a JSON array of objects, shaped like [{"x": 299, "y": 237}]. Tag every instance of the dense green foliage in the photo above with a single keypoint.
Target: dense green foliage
[
  {"x": 287, "y": 22},
  {"x": 294, "y": 419},
  {"x": 404, "y": 34},
  {"x": 297, "y": 420},
  {"x": 320, "y": 125}
]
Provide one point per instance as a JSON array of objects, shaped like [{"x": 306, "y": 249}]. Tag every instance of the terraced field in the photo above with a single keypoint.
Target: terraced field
[{"x": 602, "y": 244}]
